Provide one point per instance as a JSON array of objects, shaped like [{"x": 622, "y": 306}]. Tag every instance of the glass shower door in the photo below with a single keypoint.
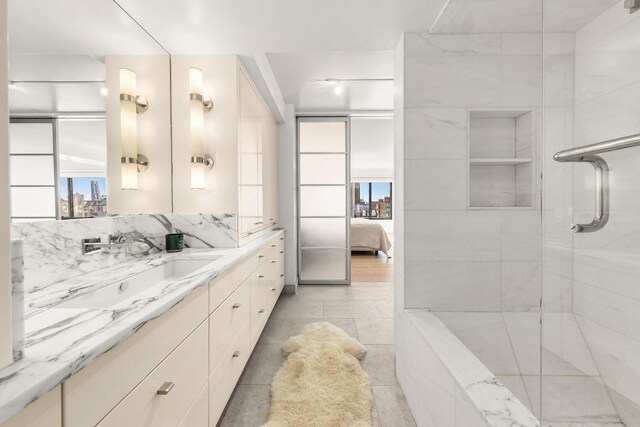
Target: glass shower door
[
  {"x": 323, "y": 198},
  {"x": 591, "y": 275}
]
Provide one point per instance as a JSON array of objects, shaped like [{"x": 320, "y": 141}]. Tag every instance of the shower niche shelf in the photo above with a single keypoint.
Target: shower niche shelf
[{"x": 501, "y": 159}]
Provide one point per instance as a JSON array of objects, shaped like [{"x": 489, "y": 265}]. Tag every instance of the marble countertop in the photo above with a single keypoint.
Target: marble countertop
[{"x": 61, "y": 341}]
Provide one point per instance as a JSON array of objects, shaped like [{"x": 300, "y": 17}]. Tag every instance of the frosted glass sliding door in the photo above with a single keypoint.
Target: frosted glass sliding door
[
  {"x": 323, "y": 197},
  {"x": 34, "y": 169}
]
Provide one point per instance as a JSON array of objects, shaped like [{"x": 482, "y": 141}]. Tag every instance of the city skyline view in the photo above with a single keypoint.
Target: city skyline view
[
  {"x": 371, "y": 200},
  {"x": 83, "y": 186},
  {"x": 89, "y": 198}
]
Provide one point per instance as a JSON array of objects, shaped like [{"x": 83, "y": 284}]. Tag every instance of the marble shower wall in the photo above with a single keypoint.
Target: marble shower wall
[
  {"x": 457, "y": 258},
  {"x": 52, "y": 249}
]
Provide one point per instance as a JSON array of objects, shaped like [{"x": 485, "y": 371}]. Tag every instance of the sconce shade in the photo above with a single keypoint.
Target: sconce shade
[
  {"x": 129, "y": 176},
  {"x": 197, "y": 176},
  {"x": 196, "y": 120},
  {"x": 128, "y": 129}
]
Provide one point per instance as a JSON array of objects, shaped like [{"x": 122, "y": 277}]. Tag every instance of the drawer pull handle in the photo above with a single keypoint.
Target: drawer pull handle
[
  {"x": 261, "y": 311},
  {"x": 273, "y": 261},
  {"x": 282, "y": 275},
  {"x": 260, "y": 276},
  {"x": 236, "y": 354},
  {"x": 237, "y": 305},
  {"x": 260, "y": 256},
  {"x": 281, "y": 252},
  {"x": 273, "y": 246},
  {"x": 273, "y": 289},
  {"x": 165, "y": 388},
  {"x": 282, "y": 238}
]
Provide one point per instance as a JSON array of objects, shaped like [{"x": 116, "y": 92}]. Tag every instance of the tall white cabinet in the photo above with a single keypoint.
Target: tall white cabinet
[{"x": 257, "y": 148}]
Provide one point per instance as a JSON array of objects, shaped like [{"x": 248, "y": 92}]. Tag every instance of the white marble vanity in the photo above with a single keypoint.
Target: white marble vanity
[{"x": 161, "y": 340}]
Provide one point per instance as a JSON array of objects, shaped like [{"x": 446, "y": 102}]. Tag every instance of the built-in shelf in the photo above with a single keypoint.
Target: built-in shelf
[
  {"x": 501, "y": 159},
  {"x": 501, "y": 162}
]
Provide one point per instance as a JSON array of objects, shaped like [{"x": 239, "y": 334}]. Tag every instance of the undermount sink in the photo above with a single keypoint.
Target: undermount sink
[{"x": 122, "y": 290}]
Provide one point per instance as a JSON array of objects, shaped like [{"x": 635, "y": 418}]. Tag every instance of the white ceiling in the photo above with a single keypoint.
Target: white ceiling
[
  {"x": 244, "y": 26},
  {"x": 304, "y": 40},
  {"x": 298, "y": 74},
  {"x": 518, "y": 16}
]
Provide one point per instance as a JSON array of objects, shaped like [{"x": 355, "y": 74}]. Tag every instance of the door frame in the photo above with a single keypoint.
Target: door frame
[{"x": 326, "y": 118}]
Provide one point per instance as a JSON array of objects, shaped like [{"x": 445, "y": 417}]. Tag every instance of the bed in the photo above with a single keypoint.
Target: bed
[{"x": 369, "y": 236}]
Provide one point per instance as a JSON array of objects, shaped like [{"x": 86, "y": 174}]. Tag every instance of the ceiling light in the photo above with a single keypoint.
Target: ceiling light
[
  {"x": 104, "y": 91},
  {"x": 338, "y": 90}
]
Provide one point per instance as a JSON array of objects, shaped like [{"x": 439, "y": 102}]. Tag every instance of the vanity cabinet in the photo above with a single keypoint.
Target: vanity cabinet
[
  {"x": 44, "y": 412},
  {"x": 181, "y": 376},
  {"x": 181, "y": 368}
]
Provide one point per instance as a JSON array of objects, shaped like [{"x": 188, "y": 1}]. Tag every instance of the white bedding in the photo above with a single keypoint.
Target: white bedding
[{"x": 369, "y": 236}]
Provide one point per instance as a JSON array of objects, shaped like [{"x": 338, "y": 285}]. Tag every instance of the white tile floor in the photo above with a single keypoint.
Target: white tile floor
[{"x": 364, "y": 311}]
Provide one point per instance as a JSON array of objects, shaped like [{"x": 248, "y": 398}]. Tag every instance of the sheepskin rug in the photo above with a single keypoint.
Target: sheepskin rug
[{"x": 321, "y": 384}]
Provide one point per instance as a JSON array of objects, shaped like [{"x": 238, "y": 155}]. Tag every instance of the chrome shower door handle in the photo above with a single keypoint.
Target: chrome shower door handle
[{"x": 602, "y": 192}]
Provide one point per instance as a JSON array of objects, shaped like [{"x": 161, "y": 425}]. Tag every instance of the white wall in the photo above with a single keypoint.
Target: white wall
[
  {"x": 221, "y": 134},
  {"x": 154, "y": 136},
  {"x": 371, "y": 148},
  {"x": 287, "y": 204},
  {"x": 82, "y": 148},
  {"x": 5, "y": 205}
]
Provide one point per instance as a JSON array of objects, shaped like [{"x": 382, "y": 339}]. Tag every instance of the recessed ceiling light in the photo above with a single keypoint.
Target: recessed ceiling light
[
  {"x": 338, "y": 90},
  {"x": 104, "y": 91}
]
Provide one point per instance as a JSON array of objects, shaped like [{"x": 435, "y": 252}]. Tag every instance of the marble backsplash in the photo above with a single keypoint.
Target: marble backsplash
[{"x": 52, "y": 249}]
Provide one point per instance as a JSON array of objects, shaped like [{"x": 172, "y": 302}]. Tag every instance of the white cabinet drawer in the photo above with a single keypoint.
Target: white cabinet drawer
[
  {"x": 185, "y": 368},
  {"x": 261, "y": 285},
  {"x": 44, "y": 412},
  {"x": 281, "y": 261},
  {"x": 227, "y": 374},
  {"x": 226, "y": 322},
  {"x": 224, "y": 285},
  {"x": 198, "y": 415},
  {"x": 91, "y": 393}
]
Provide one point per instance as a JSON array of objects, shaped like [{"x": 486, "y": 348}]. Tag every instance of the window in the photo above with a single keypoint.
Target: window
[
  {"x": 372, "y": 200},
  {"x": 83, "y": 197}
]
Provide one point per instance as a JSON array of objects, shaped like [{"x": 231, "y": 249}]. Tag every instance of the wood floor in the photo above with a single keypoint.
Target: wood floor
[{"x": 370, "y": 268}]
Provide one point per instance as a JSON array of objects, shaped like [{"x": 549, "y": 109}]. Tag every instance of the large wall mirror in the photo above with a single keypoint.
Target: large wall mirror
[{"x": 88, "y": 88}]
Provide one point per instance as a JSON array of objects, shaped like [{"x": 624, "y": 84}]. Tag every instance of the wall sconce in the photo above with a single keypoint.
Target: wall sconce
[
  {"x": 198, "y": 105},
  {"x": 131, "y": 105}
]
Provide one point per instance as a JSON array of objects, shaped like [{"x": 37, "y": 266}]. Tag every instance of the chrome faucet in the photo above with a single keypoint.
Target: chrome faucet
[{"x": 133, "y": 243}]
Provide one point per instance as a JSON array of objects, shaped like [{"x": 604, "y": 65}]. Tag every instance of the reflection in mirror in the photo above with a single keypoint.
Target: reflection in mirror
[{"x": 59, "y": 93}]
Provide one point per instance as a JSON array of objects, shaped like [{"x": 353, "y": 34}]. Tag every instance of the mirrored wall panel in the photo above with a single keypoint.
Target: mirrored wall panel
[{"x": 76, "y": 69}]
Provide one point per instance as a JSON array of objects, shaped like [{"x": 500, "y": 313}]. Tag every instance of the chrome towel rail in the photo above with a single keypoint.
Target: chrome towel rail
[{"x": 589, "y": 154}]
